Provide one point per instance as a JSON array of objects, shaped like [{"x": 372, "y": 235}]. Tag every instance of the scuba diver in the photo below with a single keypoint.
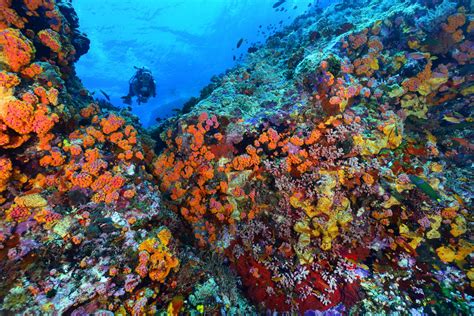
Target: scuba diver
[{"x": 142, "y": 85}]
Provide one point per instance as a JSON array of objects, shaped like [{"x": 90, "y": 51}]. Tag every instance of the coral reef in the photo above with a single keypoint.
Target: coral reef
[{"x": 328, "y": 173}]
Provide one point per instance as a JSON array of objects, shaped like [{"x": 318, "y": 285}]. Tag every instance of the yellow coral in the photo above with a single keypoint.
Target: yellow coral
[
  {"x": 449, "y": 253},
  {"x": 415, "y": 237},
  {"x": 158, "y": 260},
  {"x": 31, "y": 201},
  {"x": 459, "y": 226},
  {"x": 391, "y": 137},
  {"x": 164, "y": 236},
  {"x": 446, "y": 254},
  {"x": 435, "y": 225}
]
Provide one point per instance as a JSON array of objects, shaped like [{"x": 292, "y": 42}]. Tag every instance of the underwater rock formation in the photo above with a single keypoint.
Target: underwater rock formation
[{"x": 330, "y": 172}]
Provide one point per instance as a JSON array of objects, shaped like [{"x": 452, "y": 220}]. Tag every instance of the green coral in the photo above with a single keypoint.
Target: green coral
[{"x": 16, "y": 299}]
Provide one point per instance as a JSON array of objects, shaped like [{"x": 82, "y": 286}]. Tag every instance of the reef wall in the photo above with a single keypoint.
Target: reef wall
[
  {"x": 81, "y": 226},
  {"x": 330, "y": 172},
  {"x": 331, "y": 167}
]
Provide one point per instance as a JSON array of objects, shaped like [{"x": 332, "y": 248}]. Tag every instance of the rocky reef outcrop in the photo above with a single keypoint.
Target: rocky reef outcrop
[{"x": 329, "y": 172}]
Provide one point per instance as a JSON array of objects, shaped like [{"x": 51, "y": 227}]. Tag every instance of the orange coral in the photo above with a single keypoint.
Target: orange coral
[
  {"x": 55, "y": 159},
  {"x": 271, "y": 137},
  {"x": 116, "y": 137},
  {"x": 295, "y": 140},
  {"x": 454, "y": 22},
  {"x": 92, "y": 155},
  {"x": 8, "y": 16},
  {"x": 357, "y": 40},
  {"x": 95, "y": 133},
  {"x": 16, "y": 50},
  {"x": 45, "y": 216},
  {"x": 53, "y": 96},
  {"x": 155, "y": 259},
  {"x": 94, "y": 167},
  {"x": 32, "y": 71},
  {"x": 242, "y": 162},
  {"x": 313, "y": 137},
  {"x": 375, "y": 45},
  {"x": 34, "y": 5},
  {"x": 5, "y": 172},
  {"x": 8, "y": 80},
  {"x": 50, "y": 39},
  {"x": 111, "y": 124},
  {"x": 89, "y": 111},
  {"x": 75, "y": 150},
  {"x": 82, "y": 180},
  {"x": 198, "y": 134},
  {"x": 43, "y": 94},
  {"x": 128, "y": 194},
  {"x": 88, "y": 141},
  {"x": 43, "y": 123},
  {"x": 19, "y": 116}
]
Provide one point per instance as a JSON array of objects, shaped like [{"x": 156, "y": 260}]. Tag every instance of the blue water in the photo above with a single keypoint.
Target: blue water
[{"x": 183, "y": 42}]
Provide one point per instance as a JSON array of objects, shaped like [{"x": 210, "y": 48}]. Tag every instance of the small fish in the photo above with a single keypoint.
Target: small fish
[
  {"x": 464, "y": 143},
  {"x": 417, "y": 56},
  {"x": 105, "y": 94},
  {"x": 252, "y": 49},
  {"x": 452, "y": 119},
  {"x": 459, "y": 199},
  {"x": 278, "y": 3},
  {"x": 239, "y": 43},
  {"x": 425, "y": 187}
]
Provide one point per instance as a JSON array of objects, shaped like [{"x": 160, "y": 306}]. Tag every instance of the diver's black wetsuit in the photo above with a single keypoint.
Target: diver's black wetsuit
[{"x": 142, "y": 85}]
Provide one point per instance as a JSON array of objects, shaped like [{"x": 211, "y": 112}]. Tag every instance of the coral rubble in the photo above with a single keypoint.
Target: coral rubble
[{"x": 330, "y": 172}]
